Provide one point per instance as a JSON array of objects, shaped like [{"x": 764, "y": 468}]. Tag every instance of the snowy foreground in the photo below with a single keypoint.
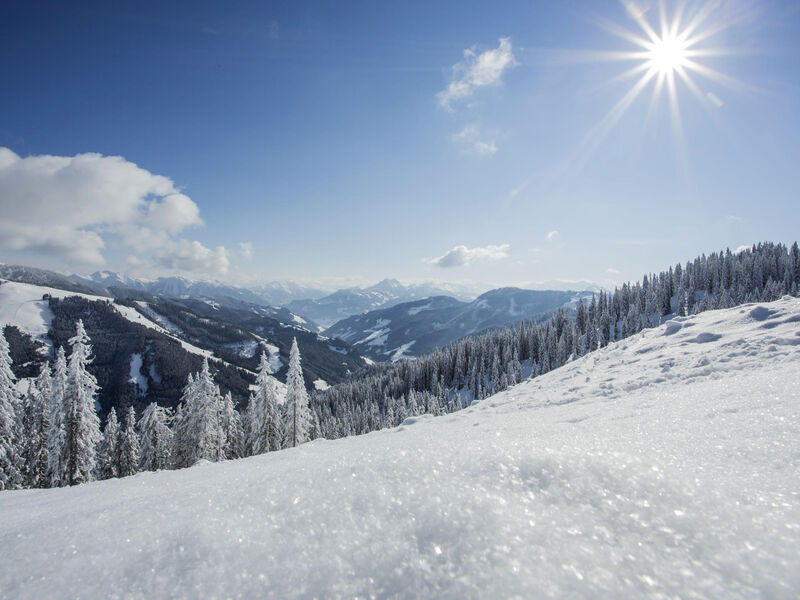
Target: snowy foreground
[{"x": 666, "y": 465}]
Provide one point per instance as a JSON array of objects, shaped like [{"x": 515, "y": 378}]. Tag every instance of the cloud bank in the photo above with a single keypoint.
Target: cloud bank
[
  {"x": 69, "y": 207},
  {"x": 461, "y": 255}
]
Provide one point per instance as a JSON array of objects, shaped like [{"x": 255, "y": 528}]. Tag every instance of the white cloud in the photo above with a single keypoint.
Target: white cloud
[
  {"x": 174, "y": 213},
  {"x": 66, "y": 207},
  {"x": 477, "y": 70},
  {"x": 193, "y": 257},
  {"x": 461, "y": 255},
  {"x": 469, "y": 141},
  {"x": 741, "y": 249},
  {"x": 551, "y": 235},
  {"x": 612, "y": 271},
  {"x": 246, "y": 250}
]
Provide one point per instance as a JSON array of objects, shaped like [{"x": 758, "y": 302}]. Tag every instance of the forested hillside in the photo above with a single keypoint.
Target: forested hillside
[{"x": 477, "y": 367}]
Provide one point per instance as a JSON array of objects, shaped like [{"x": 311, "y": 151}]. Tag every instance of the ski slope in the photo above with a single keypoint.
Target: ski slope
[{"x": 666, "y": 465}]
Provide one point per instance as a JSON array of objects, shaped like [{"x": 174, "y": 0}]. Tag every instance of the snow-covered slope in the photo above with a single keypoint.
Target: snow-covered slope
[
  {"x": 22, "y": 305},
  {"x": 665, "y": 465}
]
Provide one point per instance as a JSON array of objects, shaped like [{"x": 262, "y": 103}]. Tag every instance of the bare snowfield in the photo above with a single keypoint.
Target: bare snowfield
[{"x": 666, "y": 465}]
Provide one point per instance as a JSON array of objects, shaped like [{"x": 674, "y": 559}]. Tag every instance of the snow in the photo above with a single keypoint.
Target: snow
[
  {"x": 273, "y": 358},
  {"x": 136, "y": 376},
  {"x": 399, "y": 352},
  {"x": 418, "y": 309},
  {"x": 369, "y": 361},
  {"x": 662, "y": 466},
  {"x": 159, "y": 318},
  {"x": 376, "y": 338},
  {"x": 378, "y": 334},
  {"x": 246, "y": 349},
  {"x": 154, "y": 374},
  {"x": 321, "y": 384}
]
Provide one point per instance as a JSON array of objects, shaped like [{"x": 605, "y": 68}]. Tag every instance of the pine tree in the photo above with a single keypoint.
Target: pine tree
[
  {"x": 129, "y": 446},
  {"x": 265, "y": 427},
  {"x": 56, "y": 431},
  {"x": 36, "y": 427},
  {"x": 108, "y": 452},
  {"x": 198, "y": 431},
  {"x": 232, "y": 429},
  {"x": 11, "y": 452},
  {"x": 155, "y": 438},
  {"x": 298, "y": 416},
  {"x": 81, "y": 424}
]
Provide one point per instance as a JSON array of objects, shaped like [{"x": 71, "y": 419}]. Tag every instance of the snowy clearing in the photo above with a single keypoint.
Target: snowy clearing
[
  {"x": 21, "y": 305},
  {"x": 136, "y": 377},
  {"x": 399, "y": 353},
  {"x": 665, "y": 465}
]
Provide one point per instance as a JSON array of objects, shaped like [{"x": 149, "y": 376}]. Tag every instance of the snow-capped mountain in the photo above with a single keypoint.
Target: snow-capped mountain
[
  {"x": 282, "y": 292},
  {"x": 175, "y": 287},
  {"x": 354, "y": 301},
  {"x": 664, "y": 465},
  {"x": 416, "y": 328},
  {"x": 308, "y": 299}
]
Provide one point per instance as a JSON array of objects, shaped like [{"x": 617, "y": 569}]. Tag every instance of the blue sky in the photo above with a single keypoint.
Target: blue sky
[{"x": 321, "y": 136}]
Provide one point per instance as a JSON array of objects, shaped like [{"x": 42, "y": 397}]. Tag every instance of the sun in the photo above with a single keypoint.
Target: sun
[{"x": 667, "y": 54}]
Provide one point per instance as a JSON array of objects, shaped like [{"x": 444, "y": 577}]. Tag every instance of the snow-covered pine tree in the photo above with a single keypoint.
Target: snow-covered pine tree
[
  {"x": 11, "y": 451},
  {"x": 298, "y": 415},
  {"x": 36, "y": 426},
  {"x": 198, "y": 431},
  {"x": 129, "y": 446},
  {"x": 81, "y": 423},
  {"x": 56, "y": 432},
  {"x": 108, "y": 451},
  {"x": 265, "y": 426},
  {"x": 180, "y": 426},
  {"x": 232, "y": 429},
  {"x": 155, "y": 438}
]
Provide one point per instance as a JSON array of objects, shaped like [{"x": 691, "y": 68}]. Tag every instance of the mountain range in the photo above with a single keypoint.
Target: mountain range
[
  {"x": 386, "y": 321},
  {"x": 415, "y": 328},
  {"x": 354, "y": 301},
  {"x": 317, "y": 303}
]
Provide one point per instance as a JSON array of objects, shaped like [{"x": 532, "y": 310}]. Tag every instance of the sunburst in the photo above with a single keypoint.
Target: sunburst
[{"x": 668, "y": 54}]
